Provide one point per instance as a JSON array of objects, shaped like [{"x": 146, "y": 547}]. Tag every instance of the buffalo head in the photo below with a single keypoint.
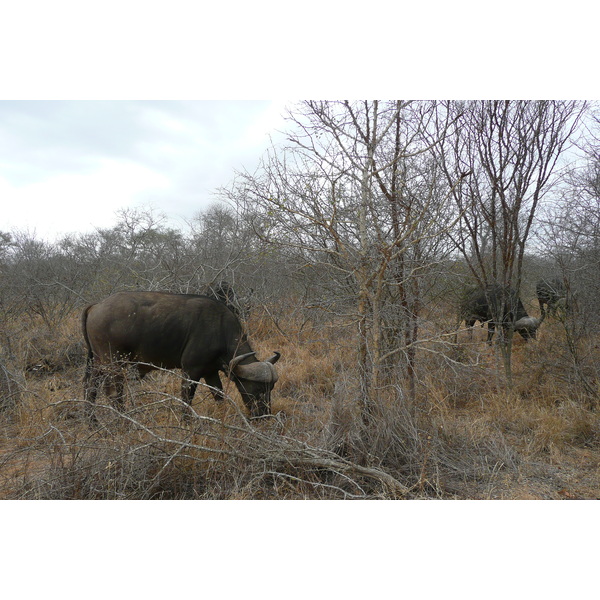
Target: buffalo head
[
  {"x": 527, "y": 327},
  {"x": 254, "y": 380}
]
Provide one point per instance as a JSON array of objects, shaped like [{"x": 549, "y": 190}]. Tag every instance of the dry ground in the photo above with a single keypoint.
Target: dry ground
[{"x": 463, "y": 439}]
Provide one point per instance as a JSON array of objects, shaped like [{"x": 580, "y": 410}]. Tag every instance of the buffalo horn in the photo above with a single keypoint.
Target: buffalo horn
[
  {"x": 238, "y": 359},
  {"x": 530, "y": 323},
  {"x": 263, "y": 372}
]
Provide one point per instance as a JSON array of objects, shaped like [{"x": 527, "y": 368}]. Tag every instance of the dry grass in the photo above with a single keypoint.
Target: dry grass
[{"x": 465, "y": 437}]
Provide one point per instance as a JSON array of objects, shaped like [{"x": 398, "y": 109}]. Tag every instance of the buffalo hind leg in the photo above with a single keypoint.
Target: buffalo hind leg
[
  {"x": 94, "y": 380},
  {"x": 91, "y": 384},
  {"x": 114, "y": 384},
  {"x": 118, "y": 379}
]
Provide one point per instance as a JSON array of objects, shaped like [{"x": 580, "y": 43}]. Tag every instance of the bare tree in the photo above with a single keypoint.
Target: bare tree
[
  {"x": 511, "y": 149},
  {"x": 355, "y": 200},
  {"x": 569, "y": 238}
]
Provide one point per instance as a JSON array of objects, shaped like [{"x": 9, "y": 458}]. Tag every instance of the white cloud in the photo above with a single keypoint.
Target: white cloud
[
  {"x": 70, "y": 166},
  {"x": 268, "y": 122},
  {"x": 67, "y": 203}
]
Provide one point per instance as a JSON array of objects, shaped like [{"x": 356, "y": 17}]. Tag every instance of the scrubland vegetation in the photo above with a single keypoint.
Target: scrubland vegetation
[
  {"x": 348, "y": 252},
  {"x": 464, "y": 437}
]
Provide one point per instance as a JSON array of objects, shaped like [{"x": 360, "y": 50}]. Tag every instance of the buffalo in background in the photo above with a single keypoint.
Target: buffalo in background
[
  {"x": 551, "y": 294},
  {"x": 497, "y": 306}
]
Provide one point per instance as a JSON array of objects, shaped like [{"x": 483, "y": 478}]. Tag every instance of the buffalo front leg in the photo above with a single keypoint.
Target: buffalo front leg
[
  {"x": 190, "y": 384},
  {"x": 216, "y": 387},
  {"x": 188, "y": 389}
]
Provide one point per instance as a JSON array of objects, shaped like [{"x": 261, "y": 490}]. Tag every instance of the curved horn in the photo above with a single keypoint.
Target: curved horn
[
  {"x": 263, "y": 372},
  {"x": 234, "y": 362},
  {"x": 530, "y": 323}
]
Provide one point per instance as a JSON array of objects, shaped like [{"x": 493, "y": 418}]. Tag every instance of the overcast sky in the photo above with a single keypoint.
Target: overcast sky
[{"x": 69, "y": 166}]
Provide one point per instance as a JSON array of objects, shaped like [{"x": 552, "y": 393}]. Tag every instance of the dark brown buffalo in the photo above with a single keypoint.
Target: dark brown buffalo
[
  {"x": 497, "y": 306},
  {"x": 551, "y": 293},
  {"x": 196, "y": 334}
]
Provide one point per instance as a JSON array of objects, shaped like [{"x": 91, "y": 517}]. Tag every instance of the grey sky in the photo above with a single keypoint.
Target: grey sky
[{"x": 69, "y": 166}]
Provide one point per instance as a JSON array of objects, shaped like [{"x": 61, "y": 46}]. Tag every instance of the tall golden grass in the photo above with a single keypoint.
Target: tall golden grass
[{"x": 465, "y": 435}]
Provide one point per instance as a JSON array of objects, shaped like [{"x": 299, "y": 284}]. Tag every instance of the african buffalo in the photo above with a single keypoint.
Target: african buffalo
[
  {"x": 498, "y": 305},
  {"x": 551, "y": 293},
  {"x": 197, "y": 334}
]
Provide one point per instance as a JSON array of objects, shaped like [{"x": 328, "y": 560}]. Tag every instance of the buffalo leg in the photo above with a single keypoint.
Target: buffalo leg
[
  {"x": 114, "y": 384},
  {"x": 119, "y": 383},
  {"x": 91, "y": 383},
  {"x": 188, "y": 388},
  {"x": 217, "y": 388},
  {"x": 541, "y": 306},
  {"x": 190, "y": 384},
  {"x": 470, "y": 324}
]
